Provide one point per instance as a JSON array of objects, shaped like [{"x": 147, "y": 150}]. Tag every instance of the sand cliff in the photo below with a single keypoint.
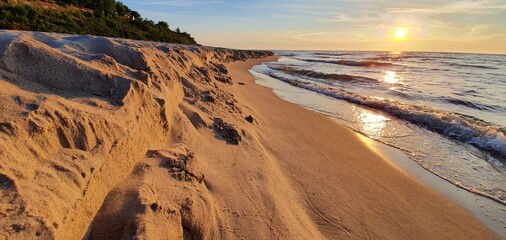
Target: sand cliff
[
  {"x": 78, "y": 112},
  {"x": 115, "y": 139}
]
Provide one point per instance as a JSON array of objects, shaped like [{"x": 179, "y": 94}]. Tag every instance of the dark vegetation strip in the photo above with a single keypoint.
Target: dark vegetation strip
[{"x": 95, "y": 17}]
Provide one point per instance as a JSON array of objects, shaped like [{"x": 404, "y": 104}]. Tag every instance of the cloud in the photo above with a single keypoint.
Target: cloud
[
  {"x": 365, "y": 17},
  {"x": 480, "y": 29},
  {"x": 469, "y": 7},
  {"x": 301, "y": 35},
  {"x": 179, "y": 3}
]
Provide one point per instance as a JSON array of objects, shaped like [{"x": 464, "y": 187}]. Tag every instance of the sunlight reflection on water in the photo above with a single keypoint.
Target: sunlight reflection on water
[
  {"x": 391, "y": 77},
  {"x": 372, "y": 124}
]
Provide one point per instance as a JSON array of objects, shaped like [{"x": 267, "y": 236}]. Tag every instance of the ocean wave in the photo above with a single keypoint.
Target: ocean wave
[
  {"x": 288, "y": 54},
  {"x": 389, "y": 58},
  {"x": 470, "y": 66},
  {"x": 467, "y": 129},
  {"x": 333, "y": 54},
  {"x": 351, "y": 62},
  {"x": 318, "y": 75},
  {"x": 419, "y": 57},
  {"x": 469, "y": 104}
]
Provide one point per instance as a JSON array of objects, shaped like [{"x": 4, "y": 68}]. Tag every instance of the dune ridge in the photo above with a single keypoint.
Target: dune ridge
[
  {"x": 106, "y": 138},
  {"x": 79, "y": 111}
]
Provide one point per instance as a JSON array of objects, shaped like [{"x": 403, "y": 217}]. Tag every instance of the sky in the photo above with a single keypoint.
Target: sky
[{"x": 389, "y": 25}]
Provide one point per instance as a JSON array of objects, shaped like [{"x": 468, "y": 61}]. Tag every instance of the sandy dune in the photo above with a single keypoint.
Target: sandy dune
[{"x": 109, "y": 139}]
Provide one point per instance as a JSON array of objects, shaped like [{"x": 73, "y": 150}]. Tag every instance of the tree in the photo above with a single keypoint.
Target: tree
[
  {"x": 163, "y": 24},
  {"x": 136, "y": 15},
  {"x": 121, "y": 9},
  {"x": 99, "y": 22}
]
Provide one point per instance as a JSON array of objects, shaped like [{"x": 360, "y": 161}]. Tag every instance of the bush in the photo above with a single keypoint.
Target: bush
[{"x": 102, "y": 22}]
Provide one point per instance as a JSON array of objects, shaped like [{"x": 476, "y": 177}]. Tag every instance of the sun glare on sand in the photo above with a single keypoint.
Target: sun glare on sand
[{"x": 400, "y": 34}]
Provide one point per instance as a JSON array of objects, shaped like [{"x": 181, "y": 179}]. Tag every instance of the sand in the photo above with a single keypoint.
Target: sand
[{"x": 108, "y": 139}]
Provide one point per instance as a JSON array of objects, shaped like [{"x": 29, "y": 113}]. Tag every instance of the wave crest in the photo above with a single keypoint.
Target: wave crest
[
  {"x": 351, "y": 63},
  {"x": 319, "y": 75},
  {"x": 467, "y": 129}
]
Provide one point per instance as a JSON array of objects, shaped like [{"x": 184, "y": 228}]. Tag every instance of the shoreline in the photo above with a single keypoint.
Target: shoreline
[
  {"x": 484, "y": 207},
  {"x": 487, "y": 210},
  {"x": 443, "y": 139},
  {"x": 430, "y": 190}
]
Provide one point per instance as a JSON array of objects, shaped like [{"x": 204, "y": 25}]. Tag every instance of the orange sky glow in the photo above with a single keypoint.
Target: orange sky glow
[{"x": 423, "y": 25}]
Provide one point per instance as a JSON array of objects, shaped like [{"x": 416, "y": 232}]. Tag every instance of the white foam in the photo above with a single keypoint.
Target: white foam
[{"x": 483, "y": 135}]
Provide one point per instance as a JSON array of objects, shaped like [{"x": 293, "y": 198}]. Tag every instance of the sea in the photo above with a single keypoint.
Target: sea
[{"x": 446, "y": 111}]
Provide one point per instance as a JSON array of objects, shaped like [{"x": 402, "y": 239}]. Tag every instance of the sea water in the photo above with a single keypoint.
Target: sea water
[{"x": 446, "y": 111}]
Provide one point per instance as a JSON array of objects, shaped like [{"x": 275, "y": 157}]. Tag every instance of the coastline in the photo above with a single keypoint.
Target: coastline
[
  {"x": 488, "y": 210},
  {"x": 436, "y": 137},
  {"x": 345, "y": 149}
]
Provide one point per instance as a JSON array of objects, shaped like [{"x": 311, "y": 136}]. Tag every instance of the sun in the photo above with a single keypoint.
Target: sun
[{"x": 400, "y": 34}]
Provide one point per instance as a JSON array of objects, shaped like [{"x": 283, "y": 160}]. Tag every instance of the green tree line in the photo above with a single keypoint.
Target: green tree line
[{"x": 103, "y": 18}]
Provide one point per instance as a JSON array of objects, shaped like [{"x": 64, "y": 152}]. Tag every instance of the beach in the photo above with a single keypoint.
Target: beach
[
  {"x": 443, "y": 110},
  {"x": 348, "y": 189},
  {"x": 132, "y": 139}
]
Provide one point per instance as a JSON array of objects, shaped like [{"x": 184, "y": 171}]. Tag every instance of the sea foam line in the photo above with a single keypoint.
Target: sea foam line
[{"x": 481, "y": 134}]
